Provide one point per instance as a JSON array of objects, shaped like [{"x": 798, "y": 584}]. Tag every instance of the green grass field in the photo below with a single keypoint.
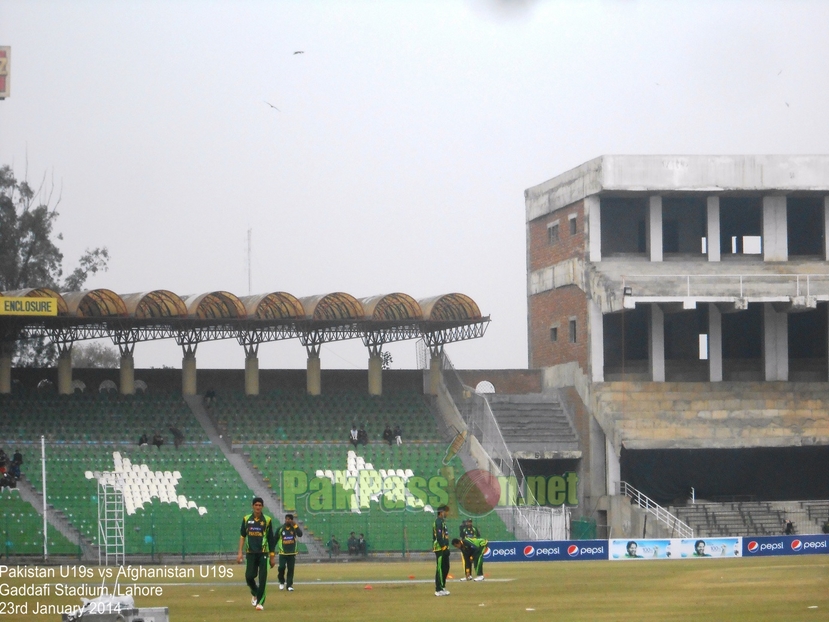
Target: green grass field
[{"x": 781, "y": 588}]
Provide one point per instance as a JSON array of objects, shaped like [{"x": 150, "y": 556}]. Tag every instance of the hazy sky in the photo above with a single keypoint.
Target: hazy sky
[{"x": 406, "y": 135}]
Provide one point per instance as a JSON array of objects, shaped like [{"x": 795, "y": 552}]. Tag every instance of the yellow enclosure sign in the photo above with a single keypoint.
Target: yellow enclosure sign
[{"x": 28, "y": 306}]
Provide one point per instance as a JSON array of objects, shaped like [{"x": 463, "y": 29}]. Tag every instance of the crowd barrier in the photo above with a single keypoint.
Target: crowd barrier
[{"x": 638, "y": 549}]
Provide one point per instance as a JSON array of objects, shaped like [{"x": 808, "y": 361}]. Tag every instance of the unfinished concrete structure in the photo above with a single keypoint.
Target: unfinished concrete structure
[{"x": 685, "y": 299}]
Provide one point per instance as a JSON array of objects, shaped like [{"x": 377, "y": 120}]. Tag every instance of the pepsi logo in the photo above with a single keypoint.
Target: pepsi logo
[
  {"x": 529, "y": 551},
  {"x": 487, "y": 553},
  {"x": 573, "y": 550},
  {"x": 796, "y": 545},
  {"x": 753, "y": 547}
]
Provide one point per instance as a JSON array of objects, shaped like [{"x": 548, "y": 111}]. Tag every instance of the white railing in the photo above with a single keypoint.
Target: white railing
[
  {"x": 738, "y": 285},
  {"x": 676, "y": 526}
]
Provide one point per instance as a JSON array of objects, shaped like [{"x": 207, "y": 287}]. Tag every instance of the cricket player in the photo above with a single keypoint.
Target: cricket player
[{"x": 258, "y": 540}]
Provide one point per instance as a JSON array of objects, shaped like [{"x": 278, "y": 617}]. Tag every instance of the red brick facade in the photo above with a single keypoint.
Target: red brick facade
[
  {"x": 509, "y": 381},
  {"x": 558, "y": 306},
  {"x": 542, "y": 253}
]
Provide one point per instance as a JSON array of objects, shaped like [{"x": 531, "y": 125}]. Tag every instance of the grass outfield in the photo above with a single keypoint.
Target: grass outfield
[{"x": 779, "y": 588}]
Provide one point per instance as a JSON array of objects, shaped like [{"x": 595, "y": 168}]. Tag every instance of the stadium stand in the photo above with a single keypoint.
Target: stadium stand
[
  {"x": 23, "y": 529},
  {"x": 83, "y": 431},
  {"x": 287, "y": 429}
]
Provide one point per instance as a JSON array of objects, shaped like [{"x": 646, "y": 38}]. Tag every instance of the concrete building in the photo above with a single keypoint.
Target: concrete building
[{"x": 685, "y": 299}]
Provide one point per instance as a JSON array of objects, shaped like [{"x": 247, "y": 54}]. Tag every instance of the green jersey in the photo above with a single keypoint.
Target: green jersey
[
  {"x": 258, "y": 534},
  {"x": 286, "y": 537},
  {"x": 440, "y": 536}
]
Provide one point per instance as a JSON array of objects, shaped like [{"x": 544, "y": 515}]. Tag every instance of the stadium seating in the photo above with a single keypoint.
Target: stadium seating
[{"x": 22, "y": 528}]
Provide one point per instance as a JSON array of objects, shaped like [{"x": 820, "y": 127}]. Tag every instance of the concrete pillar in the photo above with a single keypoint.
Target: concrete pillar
[
  {"x": 826, "y": 228},
  {"x": 775, "y": 229},
  {"x": 375, "y": 374},
  {"x": 656, "y": 344},
  {"x": 251, "y": 375},
  {"x": 127, "y": 374},
  {"x": 435, "y": 374},
  {"x": 6, "y": 368},
  {"x": 775, "y": 343},
  {"x": 614, "y": 469},
  {"x": 313, "y": 375},
  {"x": 65, "y": 372},
  {"x": 595, "y": 326},
  {"x": 655, "y": 228},
  {"x": 714, "y": 343},
  {"x": 593, "y": 213},
  {"x": 189, "y": 386},
  {"x": 713, "y": 233}
]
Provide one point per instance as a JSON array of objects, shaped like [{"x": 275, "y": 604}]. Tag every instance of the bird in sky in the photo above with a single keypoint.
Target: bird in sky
[
  {"x": 272, "y": 106},
  {"x": 299, "y": 52}
]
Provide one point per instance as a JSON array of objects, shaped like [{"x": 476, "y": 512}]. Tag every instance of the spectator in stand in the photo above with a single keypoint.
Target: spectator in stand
[
  {"x": 144, "y": 440},
  {"x": 352, "y": 544},
  {"x": 333, "y": 546},
  {"x": 362, "y": 546},
  {"x": 158, "y": 440},
  {"x": 398, "y": 435},
  {"x": 354, "y": 435},
  {"x": 178, "y": 437},
  {"x": 18, "y": 458},
  {"x": 789, "y": 528},
  {"x": 209, "y": 397},
  {"x": 826, "y": 526},
  {"x": 388, "y": 435},
  {"x": 362, "y": 436}
]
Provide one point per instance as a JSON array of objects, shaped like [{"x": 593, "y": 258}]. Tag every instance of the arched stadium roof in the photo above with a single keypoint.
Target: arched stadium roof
[{"x": 162, "y": 314}]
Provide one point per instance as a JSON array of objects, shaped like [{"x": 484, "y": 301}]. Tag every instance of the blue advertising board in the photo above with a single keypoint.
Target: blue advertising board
[
  {"x": 546, "y": 550},
  {"x": 785, "y": 545}
]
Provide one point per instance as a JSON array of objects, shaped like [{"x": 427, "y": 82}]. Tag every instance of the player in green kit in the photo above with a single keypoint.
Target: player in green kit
[
  {"x": 473, "y": 549},
  {"x": 258, "y": 540},
  {"x": 468, "y": 530},
  {"x": 286, "y": 537},
  {"x": 440, "y": 545}
]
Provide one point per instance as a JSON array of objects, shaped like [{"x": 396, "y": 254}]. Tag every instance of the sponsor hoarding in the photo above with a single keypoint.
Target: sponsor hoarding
[
  {"x": 643, "y": 549},
  {"x": 546, "y": 550},
  {"x": 785, "y": 545},
  {"x": 674, "y": 548}
]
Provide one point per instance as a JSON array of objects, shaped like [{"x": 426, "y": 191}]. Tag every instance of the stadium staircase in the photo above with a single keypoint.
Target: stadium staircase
[
  {"x": 22, "y": 527},
  {"x": 58, "y": 521},
  {"x": 535, "y": 426}
]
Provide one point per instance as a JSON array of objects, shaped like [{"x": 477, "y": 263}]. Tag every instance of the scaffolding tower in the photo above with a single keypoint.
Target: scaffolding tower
[{"x": 110, "y": 524}]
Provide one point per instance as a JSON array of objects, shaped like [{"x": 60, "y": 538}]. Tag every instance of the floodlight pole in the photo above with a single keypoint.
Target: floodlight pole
[{"x": 43, "y": 477}]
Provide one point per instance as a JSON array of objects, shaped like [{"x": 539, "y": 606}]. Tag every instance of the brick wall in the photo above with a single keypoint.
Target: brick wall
[
  {"x": 510, "y": 381},
  {"x": 542, "y": 253},
  {"x": 558, "y": 306}
]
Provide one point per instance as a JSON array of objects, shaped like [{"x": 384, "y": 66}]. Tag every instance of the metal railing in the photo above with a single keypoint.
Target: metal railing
[
  {"x": 676, "y": 526},
  {"x": 480, "y": 421},
  {"x": 738, "y": 285}
]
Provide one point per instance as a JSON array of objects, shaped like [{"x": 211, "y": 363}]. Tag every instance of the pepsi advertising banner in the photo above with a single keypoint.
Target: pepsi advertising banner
[
  {"x": 546, "y": 550},
  {"x": 760, "y": 546}
]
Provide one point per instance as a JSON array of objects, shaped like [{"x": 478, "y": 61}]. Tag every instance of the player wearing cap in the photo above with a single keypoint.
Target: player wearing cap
[
  {"x": 258, "y": 540},
  {"x": 440, "y": 545},
  {"x": 286, "y": 537},
  {"x": 473, "y": 549}
]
